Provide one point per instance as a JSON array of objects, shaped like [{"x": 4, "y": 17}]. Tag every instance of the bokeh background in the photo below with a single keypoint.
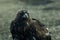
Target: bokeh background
[{"x": 47, "y": 11}]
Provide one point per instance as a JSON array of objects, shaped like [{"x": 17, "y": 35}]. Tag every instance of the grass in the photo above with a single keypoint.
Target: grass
[{"x": 9, "y": 8}]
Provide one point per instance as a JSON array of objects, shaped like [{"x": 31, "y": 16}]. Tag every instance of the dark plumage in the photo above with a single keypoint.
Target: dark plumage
[
  {"x": 41, "y": 30},
  {"x": 25, "y": 28}
]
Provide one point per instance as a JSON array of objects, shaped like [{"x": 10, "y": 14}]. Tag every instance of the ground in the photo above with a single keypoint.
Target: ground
[{"x": 47, "y": 13}]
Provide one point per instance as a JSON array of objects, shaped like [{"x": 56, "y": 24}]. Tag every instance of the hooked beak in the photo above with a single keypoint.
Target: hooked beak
[{"x": 25, "y": 16}]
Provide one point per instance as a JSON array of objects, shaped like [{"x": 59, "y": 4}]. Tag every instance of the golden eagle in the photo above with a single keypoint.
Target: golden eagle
[{"x": 23, "y": 27}]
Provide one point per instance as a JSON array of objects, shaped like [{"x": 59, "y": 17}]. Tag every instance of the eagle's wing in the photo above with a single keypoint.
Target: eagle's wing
[
  {"x": 41, "y": 24},
  {"x": 40, "y": 28},
  {"x": 12, "y": 29}
]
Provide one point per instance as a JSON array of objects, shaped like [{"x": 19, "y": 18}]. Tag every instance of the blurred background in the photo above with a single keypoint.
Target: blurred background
[{"x": 47, "y": 11}]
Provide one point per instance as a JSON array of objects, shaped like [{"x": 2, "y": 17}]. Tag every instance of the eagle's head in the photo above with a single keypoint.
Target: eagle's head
[{"x": 23, "y": 15}]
